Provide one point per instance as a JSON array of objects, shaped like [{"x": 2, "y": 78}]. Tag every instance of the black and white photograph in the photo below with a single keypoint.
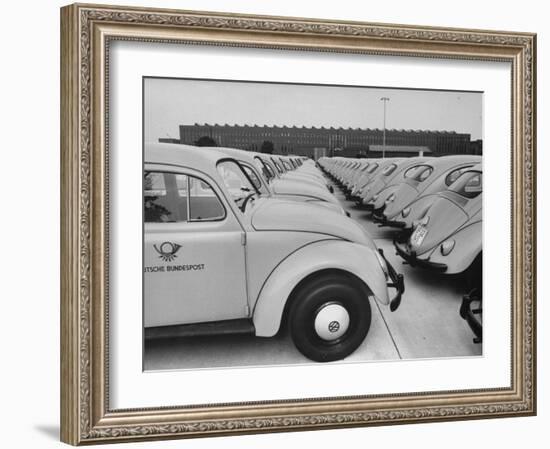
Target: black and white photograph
[
  {"x": 288, "y": 223},
  {"x": 277, "y": 222}
]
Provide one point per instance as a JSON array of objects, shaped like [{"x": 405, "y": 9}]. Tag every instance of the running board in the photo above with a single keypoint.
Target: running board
[{"x": 226, "y": 327}]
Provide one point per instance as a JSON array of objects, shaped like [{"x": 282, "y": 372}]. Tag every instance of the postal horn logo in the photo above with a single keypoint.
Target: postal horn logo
[{"x": 167, "y": 251}]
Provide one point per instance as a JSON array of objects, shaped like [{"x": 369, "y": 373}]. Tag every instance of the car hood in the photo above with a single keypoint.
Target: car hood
[
  {"x": 445, "y": 218},
  {"x": 300, "y": 188},
  {"x": 281, "y": 215}
]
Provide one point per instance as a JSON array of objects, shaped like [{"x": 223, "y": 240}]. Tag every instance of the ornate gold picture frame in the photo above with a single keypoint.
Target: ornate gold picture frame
[{"x": 86, "y": 34}]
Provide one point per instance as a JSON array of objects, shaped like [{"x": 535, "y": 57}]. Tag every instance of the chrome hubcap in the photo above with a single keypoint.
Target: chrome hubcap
[{"x": 331, "y": 321}]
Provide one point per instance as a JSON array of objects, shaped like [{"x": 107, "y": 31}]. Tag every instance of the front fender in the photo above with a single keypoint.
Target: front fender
[
  {"x": 359, "y": 260},
  {"x": 468, "y": 245}
]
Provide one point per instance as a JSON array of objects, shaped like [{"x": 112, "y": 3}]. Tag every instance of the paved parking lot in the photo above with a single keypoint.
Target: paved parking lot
[{"x": 426, "y": 325}]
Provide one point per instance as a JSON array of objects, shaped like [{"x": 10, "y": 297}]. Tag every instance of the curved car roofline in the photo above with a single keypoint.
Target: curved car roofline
[
  {"x": 455, "y": 159},
  {"x": 188, "y": 156}
]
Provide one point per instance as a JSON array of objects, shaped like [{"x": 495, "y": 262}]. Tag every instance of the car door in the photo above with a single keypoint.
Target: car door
[{"x": 193, "y": 252}]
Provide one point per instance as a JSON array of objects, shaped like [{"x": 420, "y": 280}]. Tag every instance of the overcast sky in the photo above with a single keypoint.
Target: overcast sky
[{"x": 169, "y": 103}]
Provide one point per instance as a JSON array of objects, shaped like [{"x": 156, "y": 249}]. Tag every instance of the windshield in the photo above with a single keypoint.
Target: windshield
[
  {"x": 239, "y": 186},
  {"x": 418, "y": 172},
  {"x": 277, "y": 166},
  {"x": 254, "y": 177},
  {"x": 286, "y": 165},
  {"x": 469, "y": 184},
  {"x": 266, "y": 169}
]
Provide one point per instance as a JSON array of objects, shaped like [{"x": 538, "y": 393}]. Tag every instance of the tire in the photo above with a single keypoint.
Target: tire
[{"x": 317, "y": 317}]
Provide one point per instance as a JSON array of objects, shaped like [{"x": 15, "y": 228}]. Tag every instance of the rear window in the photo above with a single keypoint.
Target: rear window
[
  {"x": 469, "y": 184},
  {"x": 419, "y": 172},
  {"x": 453, "y": 176},
  {"x": 365, "y": 167},
  {"x": 389, "y": 169},
  {"x": 372, "y": 167}
]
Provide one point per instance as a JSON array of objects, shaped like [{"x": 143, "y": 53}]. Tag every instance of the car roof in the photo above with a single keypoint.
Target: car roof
[
  {"x": 477, "y": 167},
  {"x": 234, "y": 152},
  {"x": 198, "y": 158},
  {"x": 445, "y": 162}
]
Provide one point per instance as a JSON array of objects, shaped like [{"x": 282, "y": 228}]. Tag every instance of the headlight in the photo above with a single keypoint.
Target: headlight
[
  {"x": 382, "y": 263},
  {"x": 390, "y": 198},
  {"x": 405, "y": 212},
  {"x": 446, "y": 247},
  {"x": 375, "y": 197},
  {"x": 424, "y": 220}
]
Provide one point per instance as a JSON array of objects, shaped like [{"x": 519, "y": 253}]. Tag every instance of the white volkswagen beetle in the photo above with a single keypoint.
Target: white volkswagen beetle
[
  {"x": 448, "y": 238},
  {"x": 220, "y": 257}
]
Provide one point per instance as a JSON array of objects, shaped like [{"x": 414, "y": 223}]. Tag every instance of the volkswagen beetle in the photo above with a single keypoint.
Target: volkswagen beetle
[
  {"x": 221, "y": 257},
  {"x": 448, "y": 238},
  {"x": 418, "y": 208}
]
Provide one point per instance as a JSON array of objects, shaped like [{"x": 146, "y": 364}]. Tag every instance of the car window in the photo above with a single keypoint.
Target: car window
[
  {"x": 277, "y": 166},
  {"x": 253, "y": 176},
  {"x": 469, "y": 184},
  {"x": 158, "y": 206},
  {"x": 389, "y": 169},
  {"x": 286, "y": 165},
  {"x": 419, "y": 172},
  {"x": 372, "y": 167},
  {"x": 453, "y": 176},
  {"x": 265, "y": 169},
  {"x": 204, "y": 204},
  {"x": 238, "y": 184},
  {"x": 174, "y": 197}
]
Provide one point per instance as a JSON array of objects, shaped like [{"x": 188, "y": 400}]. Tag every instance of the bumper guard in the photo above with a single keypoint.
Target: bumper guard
[
  {"x": 413, "y": 261},
  {"x": 396, "y": 281}
]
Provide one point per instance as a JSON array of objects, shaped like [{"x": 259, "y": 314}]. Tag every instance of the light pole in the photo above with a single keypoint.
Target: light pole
[{"x": 385, "y": 100}]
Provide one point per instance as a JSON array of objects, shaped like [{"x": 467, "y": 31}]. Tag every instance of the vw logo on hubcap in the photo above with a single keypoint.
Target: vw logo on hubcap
[
  {"x": 333, "y": 326},
  {"x": 331, "y": 321}
]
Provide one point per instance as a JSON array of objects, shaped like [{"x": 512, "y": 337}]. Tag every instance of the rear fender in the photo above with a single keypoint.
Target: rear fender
[{"x": 359, "y": 260}]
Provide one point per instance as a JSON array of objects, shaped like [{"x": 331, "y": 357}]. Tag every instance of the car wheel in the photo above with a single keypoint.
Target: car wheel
[{"x": 330, "y": 317}]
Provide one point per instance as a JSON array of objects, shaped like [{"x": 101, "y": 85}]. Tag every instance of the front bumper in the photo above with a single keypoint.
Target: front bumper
[
  {"x": 395, "y": 224},
  {"x": 396, "y": 281},
  {"x": 414, "y": 261},
  {"x": 368, "y": 206},
  {"x": 378, "y": 215}
]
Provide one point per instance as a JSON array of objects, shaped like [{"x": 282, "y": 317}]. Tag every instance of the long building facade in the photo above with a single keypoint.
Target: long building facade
[{"x": 307, "y": 141}]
